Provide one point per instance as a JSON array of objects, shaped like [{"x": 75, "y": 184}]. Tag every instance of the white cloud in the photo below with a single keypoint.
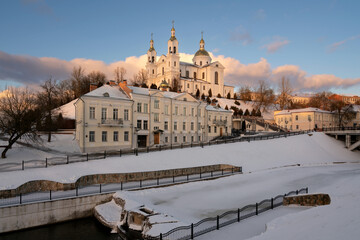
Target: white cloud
[
  {"x": 333, "y": 47},
  {"x": 240, "y": 34},
  {"x": 276, "y": 44}
]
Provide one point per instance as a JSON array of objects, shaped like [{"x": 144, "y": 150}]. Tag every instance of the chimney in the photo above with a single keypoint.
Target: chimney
[
  {"x": 124, "y": 87},
  {"x": 112, "y": 83},
  {"x": 93, "y": 86}
]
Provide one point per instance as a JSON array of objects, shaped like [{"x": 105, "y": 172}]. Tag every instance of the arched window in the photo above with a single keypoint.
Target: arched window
[
  {"x": 169, "y": 49},
  {"x": 174, "y": 49},
  {"x": 194, "y": 75},
  {"x": 187, "y": 74},
  {"x": 153, "y": 59},
  {"x": 200, "y": 63},
  {"x": 216, "y": 78},
  {"x": 203, "y": 75},
  {"x": 153, "y": 71},
  {"x": 163, "y": 71}
]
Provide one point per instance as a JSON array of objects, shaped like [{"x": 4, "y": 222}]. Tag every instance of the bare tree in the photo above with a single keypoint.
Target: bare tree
[
  {"x": 140, "y": 79},
  {"x": 48, "y": 101},
  {"x": 176, "y": 85},
  {"x": 265, "y": 96},
  {"x": 66, "y": 93},
  {"x": 321, "y": 100},
  {"x": 344, "y": 112},
  {"x": 285, "y": 91},
  {"x": 97, "y": 77},
  {"x": 19, "y": 116},
  {"x": 245, "y": 93},
  {"x": 119, "y": 74},
  {"x": 80, "y": 84}
]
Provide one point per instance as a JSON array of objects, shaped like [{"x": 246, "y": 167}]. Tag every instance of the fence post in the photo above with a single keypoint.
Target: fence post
[
  {"x": 87, "y": 156},
  {"x": 173, "y": 178},
  {"x": 161, "y": 236},
  {"x": 23, "y": 165},
  {"x": 121, "y": 185},
  {"x": 222, "y": 171},
  {"x": 181, "y": 145},
  {"x": 238, "y": 215},
  {"x": 50, "y": 195},
  {"x": 46, "y": 162},
  {"x": 157, "y": 181},
  {"x": 200, "y": 173},
  {"x": 104, "y": 154},
  {"x": 257, "y": 208},
  {"x": 140, "y": 183},
  {"x": 137, "y": 151},
  {"x": 217, "y": 222},
  {"x": 232, "y": 170},
  {"x": 187, "y": 177},
  {"x": 100, "y": 187},
  {"x": 20, "y": 198},
  {"x": 171, "y": 146},
  {"x": 120, "y": 153},
  {"x": 272, "y": 203},
  {"x": 211, "y": 173},
  {"x": 192, "y": 231},
  {"x": 77, "y": 191},
  {"x": 297, "y": 192},
  {"x": 147, "y": 149},
  {"x": 307, "y": 190}
]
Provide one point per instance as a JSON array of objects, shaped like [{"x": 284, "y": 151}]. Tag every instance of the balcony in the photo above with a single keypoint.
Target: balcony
[
  {"x": 112, "y": 122},
  {"x": 220, "y": 122}
]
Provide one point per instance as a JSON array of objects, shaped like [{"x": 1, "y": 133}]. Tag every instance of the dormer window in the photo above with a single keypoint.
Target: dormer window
[{"x": 106, "y": 94}]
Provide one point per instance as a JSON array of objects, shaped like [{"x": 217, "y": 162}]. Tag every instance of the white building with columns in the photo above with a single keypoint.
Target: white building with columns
[{"x": 202, "y": 74}]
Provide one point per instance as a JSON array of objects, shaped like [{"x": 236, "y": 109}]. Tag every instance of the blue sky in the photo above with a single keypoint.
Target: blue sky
[{"x": 320, "y": 38}]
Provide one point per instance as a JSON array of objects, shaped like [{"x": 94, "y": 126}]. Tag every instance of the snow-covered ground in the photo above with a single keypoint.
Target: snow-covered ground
[
  {"x": 254, "y": 156},
  {"x": 60, "y": 145}
]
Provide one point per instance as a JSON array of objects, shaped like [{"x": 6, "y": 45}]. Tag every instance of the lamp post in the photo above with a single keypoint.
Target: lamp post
[
  {"x": 136, "y": 130},
  {"x": 309, "y": 119}
]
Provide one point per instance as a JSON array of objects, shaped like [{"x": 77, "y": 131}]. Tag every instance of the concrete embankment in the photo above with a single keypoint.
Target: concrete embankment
[{"x": 37, "y": 214}]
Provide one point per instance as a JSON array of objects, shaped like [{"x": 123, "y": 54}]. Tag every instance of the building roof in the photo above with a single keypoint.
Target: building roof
[
  {"x": 309, "y": 109},
  {"x": 202, "y": 52},
  {"x": 107, "y": 91},
  {"x": 146, "y": 91}
]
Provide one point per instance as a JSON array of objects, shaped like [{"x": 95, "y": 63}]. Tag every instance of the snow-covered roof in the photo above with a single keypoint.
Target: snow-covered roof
[
  {"x": 309, "y": 109},
  {"x": 67, "y": 110},
  {"x": 112, "y": 91},
  {"x": 146, "y": 91},
  {"x": 217, "y": 109}
]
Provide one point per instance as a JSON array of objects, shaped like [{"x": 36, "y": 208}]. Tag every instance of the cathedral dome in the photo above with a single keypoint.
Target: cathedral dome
[{"x": 201, "y": 52}]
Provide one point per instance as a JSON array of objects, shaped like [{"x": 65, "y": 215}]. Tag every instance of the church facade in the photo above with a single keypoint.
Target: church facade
[{"x": 202, "y": 75}]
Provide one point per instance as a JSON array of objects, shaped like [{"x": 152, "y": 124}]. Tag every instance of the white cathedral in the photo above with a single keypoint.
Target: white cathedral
[{"x": 201, "y": 75}]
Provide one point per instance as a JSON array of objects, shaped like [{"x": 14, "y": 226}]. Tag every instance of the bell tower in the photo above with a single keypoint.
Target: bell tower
[{"x": 151, "y": 61}]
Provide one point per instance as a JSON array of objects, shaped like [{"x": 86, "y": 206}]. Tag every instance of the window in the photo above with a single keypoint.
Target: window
[
  {"x": 156, "y": 104},
  {"x": 204, "y": 88},
  {"x": 192, "y": 126},
  {"x": 146, "y": 107},
  {"x": 199, "y": 112},
  {"x": 126, "y": 136},
  {"x": 297, "y": 126},
  {"x": 145, "y": 125},
  {"x": 226, "y": 129},
  {"x": 209, "y": 129},
  {"x": 296, "y": 117},
  {"x": 199, "y": 139},
  {"x": 156, "y": 127},
  {"x": 166, "y": 109},
  {"x": 139, "y": 123},
  {"x": 175, "y": 126},
  {"x": 216, "y": 78},
  {"x": 196, "y": 86},
  {"x": 174, "y": 49},
  {"x": 192, "y": 138},
  {"x": 209, "y": 117},
  {"x": 115, "y": 114},
  {"x": 104, "y": 136},
  {"x": 126, "y": 114},
  {"x": 174, "y": 64},
  {"x": 166, "y": 125},
  {"x": 92, "y": 113},
  {"x": 169, "y": 49},
  {"x": 192, "y": 111},
  {"x": 200, "y": 63},
  {"x": 199, "y": 126},
  {"x": 184, "y": 111},
  {"x": 153, "y": 71},
  {"x": 139, "y": 107},
  {"x": 194, "y": 75},
  {"x": 176, "y": 110},
  {"x": 116, "y": 136},
  {"x": 187, "y": 74},
  {"x": 184, "y": 126},
  {"x": 156, "y": 117},
  {"x": 175, "y": 139},
  {"x": 103, "y": 113},
  {"x": 214, "y": 129},
  {"x": 91, "y": 136},
  {"x": 184, "y": 138},
  {"x": 203, "y": 75},
  {"x": 166, "y": 139},
  {"x": 188, "y": 85},
  {"x": 163, "y": 71}
]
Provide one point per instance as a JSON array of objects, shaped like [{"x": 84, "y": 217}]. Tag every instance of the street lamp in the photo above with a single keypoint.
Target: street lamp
[{"x": 309, "y": 119}]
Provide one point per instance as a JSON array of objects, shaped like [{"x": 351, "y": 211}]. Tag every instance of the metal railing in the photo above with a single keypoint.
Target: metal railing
[
  {"x": 215, "y": 223},
  {"x": 112, "y": 187},
  {"x": 338, "y": 129},
  {"x": 28, "y": 164}
]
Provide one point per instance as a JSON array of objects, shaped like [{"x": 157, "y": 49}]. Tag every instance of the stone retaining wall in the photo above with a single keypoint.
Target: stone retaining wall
[
  {"x": 308, "y": 200},
  {"x": 45, "y": 185}
]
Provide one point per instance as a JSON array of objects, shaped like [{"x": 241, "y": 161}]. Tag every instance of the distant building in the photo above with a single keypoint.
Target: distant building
[
  {"x": 200, "y": 75},
  {"x": 300, "y": 99},
  {"x": 305, "y": 119},
  {"x": 116, "y": 117},
  {"x": 345, "y": 99}
]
